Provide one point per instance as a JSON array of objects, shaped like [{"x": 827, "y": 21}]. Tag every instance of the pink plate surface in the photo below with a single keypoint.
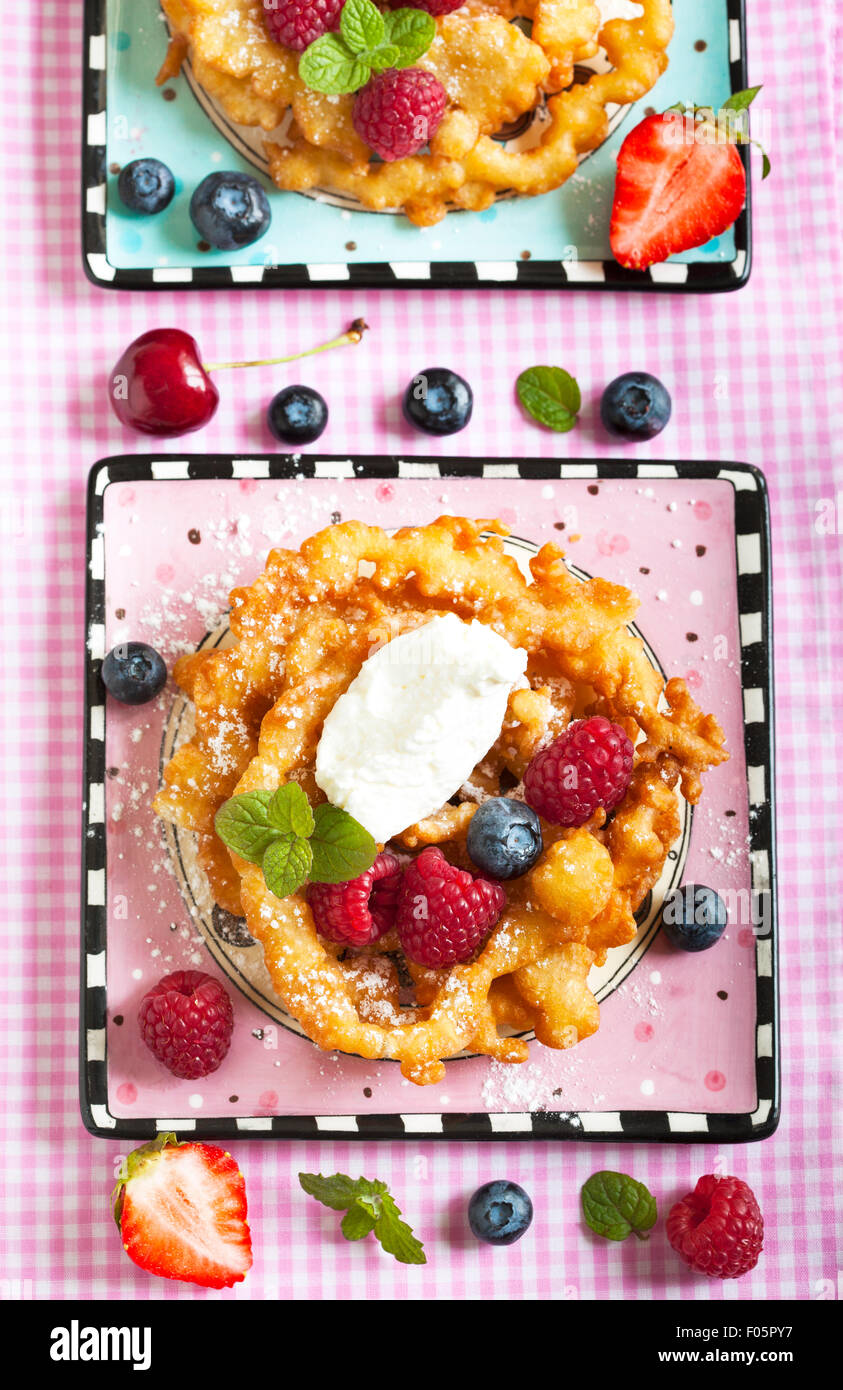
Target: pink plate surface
[{"x": 678, "y": 1034}]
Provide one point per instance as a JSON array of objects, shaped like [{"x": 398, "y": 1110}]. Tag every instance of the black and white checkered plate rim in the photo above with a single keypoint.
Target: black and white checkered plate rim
[
  {"x": 671, "y": 277},
  {"x": 752, "y": 542}
]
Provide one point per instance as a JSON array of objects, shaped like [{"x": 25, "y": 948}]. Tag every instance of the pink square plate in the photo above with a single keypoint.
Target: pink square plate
[{"x": 688, "y": 1044}]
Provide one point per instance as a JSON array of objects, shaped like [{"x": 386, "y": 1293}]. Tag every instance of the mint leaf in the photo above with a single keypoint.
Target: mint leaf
[
  {"x": 614, "y": 1205},
  {"x": 368, "y": 1206},
  {"x": 342, "y": 849},
  {"x": 338, "y": 1191},
  {"x": 328, "y": 65},
  {"x": 243, "y": 824},
  {"x": 384, "y": 57},
  {"x": 412, "y": 31},
  {"x": 286, "y": 865},
  {"x": 357, "y": 1222},
  {"x": 289, "y": 811},
  {"x": 361, "y": 26},
  {"x": 396, "y": 1236},
  {"x": 551, "y": 396}
]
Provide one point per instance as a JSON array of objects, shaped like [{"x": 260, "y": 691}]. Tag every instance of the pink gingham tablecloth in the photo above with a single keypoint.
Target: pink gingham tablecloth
[{"x": 755, "y": 376}]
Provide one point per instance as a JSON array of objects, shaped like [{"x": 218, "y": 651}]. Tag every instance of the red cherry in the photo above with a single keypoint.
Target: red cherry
[{"x": 159, "y": 386}]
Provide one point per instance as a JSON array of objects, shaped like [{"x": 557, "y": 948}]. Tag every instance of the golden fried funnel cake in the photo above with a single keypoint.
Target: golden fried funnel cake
[
  {"x": 303, "y": 631},
  {"x": 492, "y": 71}
]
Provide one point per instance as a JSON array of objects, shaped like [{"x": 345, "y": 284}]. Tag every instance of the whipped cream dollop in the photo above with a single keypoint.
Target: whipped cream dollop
[{"x": 415, "y": 721}]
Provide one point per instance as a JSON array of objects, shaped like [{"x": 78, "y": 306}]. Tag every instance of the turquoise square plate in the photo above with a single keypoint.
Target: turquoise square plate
[{"x": 559, "y": 240}]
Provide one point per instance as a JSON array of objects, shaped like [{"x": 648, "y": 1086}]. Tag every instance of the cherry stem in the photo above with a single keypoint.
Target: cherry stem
[
  {"x": 641, "y": 1235},
  {"x": 350, "y": 337}
]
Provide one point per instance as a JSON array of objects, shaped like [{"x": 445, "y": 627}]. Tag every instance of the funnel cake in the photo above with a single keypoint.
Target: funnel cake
[
  {"x": 493, "y": 73},
  {"x": 303, "y": 631}
]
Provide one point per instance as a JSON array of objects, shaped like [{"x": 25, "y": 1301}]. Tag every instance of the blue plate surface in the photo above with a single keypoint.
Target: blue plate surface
[{"x": 559, "y": 239}]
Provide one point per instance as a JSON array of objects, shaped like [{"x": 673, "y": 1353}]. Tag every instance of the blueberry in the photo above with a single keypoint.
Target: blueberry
[
  {"x": 133, "y": 673},
  {"x": 499, "y": 1213},
  {"x": 297, "y": 415},
  {"x": 438, "y": 401},
  {"x": 230, "y": 210},
  {"x": 146, "y": 185},
  {"x": 504, "y": 837},
  {"x": 635, "y": 406},
  {"x": 694, "y": 917}
]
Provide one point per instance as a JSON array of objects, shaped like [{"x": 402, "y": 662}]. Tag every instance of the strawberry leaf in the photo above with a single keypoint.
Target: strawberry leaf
[
  {"x": 741, "y": 101},
  {"x": 614, "y": 1205},
  {"x": 132, "y": 1166}
]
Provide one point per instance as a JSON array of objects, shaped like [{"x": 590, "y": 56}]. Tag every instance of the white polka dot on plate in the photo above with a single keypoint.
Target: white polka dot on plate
[
  {"x": 195, "y": 1102},
  {"x": 647, "y": 1088},
  {"x": 655, "y": 977},
  {"x": 696, "y": 597}
]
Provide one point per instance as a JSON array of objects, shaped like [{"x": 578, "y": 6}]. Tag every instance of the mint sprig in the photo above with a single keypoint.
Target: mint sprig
[
  {"x": 368, "y": 42},
  {"x": 369, "y": 1207},
  {"x": 551, "y": 396},
  {"x": 615, "y": 1205},
  {"x": 292, "y": 843}
]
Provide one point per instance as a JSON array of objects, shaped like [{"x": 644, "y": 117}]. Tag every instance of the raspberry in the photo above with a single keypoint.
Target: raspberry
[
  {"x": 187, "y": 1021},
  {"x": 718, "y": 1228},
  {"x": 444, "y": 913},
  {"x": 588, "y": 766},
  {"x": 360, "y": 911},
  {"x": 398, "y": 111},
  {"x": 297, "y": 23}
]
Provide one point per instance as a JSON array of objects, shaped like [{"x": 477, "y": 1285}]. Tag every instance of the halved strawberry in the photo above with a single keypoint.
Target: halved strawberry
[
  {"x": 181, "y": 1210},
  {"x": 679, "y": 183}
]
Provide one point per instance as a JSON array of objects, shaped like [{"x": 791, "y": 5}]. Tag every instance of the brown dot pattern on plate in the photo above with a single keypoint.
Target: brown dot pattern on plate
[
  {"x": 691, "y": 637},
  {"x": 721, "y": 994},
  {"x": 114, "y": 772},
  {"x": 336, "y": 517},
  {"x": 118, "y": 1019},
  {"x": 351, "y": 246},
  {"x": 649, "y": 110},
  {"x": 643, "y": 570},
  {"x": 169, "y": 94},
  {"x": 232, "y": 1100},
  {"x": 700, "y": 550},
  {"x": 258, "y": 1033},
  {"x": 731, "y": 813},
  {"x": 114, "y": 168},
  {"x": 367, "y": 1091},
  {"x": 526, "y": 255},
  {"x": 700, "y": 45},
  {"x": 203, "y": 246},
  {"x": 119, "y": 614},
  {"x": 194, "y": 536},
  {"x": 593, "y": 489}
]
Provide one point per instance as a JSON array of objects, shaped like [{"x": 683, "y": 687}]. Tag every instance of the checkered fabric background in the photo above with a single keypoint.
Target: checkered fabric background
[{"x": 755, "y": 376}]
